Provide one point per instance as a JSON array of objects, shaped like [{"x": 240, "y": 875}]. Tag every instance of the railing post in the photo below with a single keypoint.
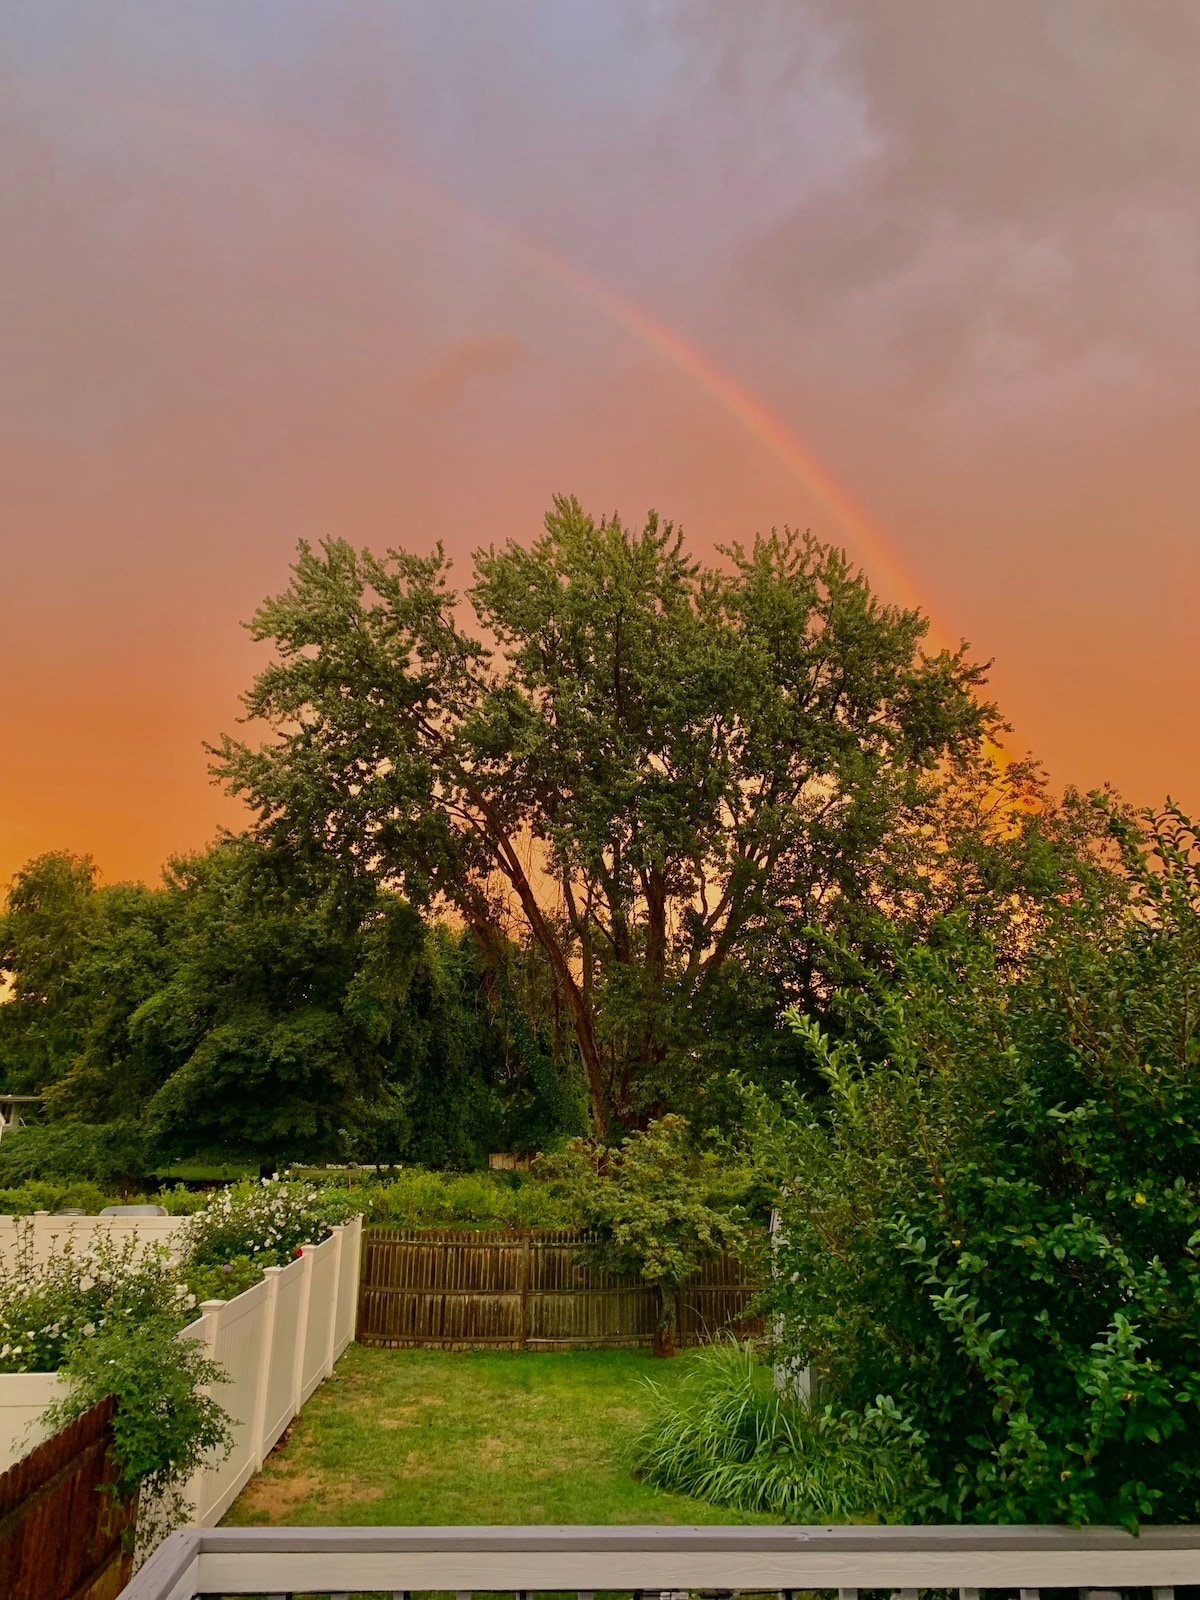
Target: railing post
[
  {"x": 302, "y": 1330},
  {"x": 336, "y": 1233},
  {"x": 265, "y": 1354}
]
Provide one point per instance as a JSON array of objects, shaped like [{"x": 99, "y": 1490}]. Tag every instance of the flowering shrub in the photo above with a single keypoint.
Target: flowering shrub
[
  {"x": 251, "y": 1226},
  {"x": 83, "y": 1288}
]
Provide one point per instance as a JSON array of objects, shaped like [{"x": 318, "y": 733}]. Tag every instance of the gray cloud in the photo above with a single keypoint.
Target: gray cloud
[{"x": 479, "y": 356}]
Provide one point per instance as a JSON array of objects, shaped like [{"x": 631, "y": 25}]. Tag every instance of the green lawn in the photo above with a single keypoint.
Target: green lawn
[{"x": 433, "y": 1437}]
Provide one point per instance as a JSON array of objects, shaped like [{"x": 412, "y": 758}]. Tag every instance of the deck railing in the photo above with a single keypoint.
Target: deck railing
[{"x": 1098, "y": 1563}]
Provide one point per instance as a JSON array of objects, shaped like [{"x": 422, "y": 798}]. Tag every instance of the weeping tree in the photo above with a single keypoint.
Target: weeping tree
[{"x": 648, "y": 768}]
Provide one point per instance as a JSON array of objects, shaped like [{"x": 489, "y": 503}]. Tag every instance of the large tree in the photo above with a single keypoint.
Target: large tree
[
  {"x": 644, "y": 765},
  {"x": 639, "y": 762}
]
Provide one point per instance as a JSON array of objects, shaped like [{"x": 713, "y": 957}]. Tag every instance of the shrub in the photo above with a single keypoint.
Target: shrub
[
  {"x": 223, "y": 1282},
  {"x": 657, "y": 1205},
  {"x": 79, "y": 1292},
  {"x": 51, "y": 1196},
  {"x": 165, "y": 1422},
  {"x": 994, "y": 1220},
  {"x": 267, "y": 1221},
  {"x": 112, "y": 1154},
  {"x": 725, "y": 1435},
  {"x": 416, "y": 1198}
]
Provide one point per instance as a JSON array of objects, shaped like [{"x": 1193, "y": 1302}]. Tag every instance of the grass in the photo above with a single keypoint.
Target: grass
[{"x": 430, "y": 1437}]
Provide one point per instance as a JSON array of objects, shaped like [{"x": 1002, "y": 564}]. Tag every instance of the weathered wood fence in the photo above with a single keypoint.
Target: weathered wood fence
[
  {"x": 61, "y": 1530},
  {"x": 526, "y": 1291}
]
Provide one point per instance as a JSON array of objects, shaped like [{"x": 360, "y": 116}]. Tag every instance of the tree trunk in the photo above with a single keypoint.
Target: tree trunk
[{"x": 668, "y": 1309}]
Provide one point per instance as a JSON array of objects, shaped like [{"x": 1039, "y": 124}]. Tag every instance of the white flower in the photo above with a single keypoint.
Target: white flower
[
  {"x": 88, "y": 1329},
  {"x": 85, "y": 1284}
]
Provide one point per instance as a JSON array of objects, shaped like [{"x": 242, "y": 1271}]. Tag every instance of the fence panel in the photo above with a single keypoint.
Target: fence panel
[
  {"x": 347, "y": 1295},
  {"x": 454, "y": 1289},
  {"x": 23, "y": 1398},
  {"x": 61, "y": 1531},
  {"x": 323, "y": 1265},
  {"x": 279, "y": 1403},
  {"x": 44, "y": 1234},
  {"x": 237, "y": 1349}
]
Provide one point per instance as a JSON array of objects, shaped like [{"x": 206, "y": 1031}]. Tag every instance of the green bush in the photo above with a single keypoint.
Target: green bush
[
  {"x": 82, "y": 1290},
  {"x": 165, "y": 1422},
  {"x": 111, "y": 1154},
  {"x": 266, "y": 1221},
  {"x": 994, "y": 1220},
  {"x": 48, "y": 1196},
  {"x": 415, "y": 1198},
  {"x": 223, "y": 1282},
  {"x": 657, "y": 1206},
  {"x": 724, "y": 1435}
]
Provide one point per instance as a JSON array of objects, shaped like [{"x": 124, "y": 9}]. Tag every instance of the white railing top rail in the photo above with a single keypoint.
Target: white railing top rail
[{"x": 464, "y": 1561}]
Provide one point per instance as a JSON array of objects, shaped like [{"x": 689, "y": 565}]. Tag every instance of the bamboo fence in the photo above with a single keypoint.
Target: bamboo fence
[{"x": 454, "y": 1289}]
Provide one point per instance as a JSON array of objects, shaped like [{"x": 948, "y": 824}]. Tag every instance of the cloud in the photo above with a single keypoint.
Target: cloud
[
  {"x": 1021, "y": 198},
  {"x": 478, "y": 356}
]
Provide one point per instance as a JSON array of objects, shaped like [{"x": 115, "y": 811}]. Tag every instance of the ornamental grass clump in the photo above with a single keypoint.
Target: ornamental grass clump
[{"x": 726, "y": 1436}]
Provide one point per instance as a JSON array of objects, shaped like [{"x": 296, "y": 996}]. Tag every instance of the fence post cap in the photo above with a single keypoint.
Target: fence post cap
[
  {"x": 212, "y": 1305},
  {"x": 274, "y": 1271}
]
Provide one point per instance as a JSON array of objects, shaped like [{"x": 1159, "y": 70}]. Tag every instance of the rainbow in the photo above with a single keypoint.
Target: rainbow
[
  {"x": 866, "y": 539},
  {"x": 737, "y": 401}
]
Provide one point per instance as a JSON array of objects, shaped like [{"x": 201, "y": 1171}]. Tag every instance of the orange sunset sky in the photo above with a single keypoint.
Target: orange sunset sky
[{"x": 922, "y": 276}]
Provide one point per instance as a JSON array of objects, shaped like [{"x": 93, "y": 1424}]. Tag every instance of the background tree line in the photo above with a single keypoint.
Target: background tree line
[
  {"x": 567, "y": 868},
  {"x": 238, "y": 1015}
]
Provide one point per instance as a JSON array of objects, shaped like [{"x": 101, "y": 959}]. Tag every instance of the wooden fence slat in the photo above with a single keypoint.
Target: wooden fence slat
[
  {"x": 61, "y": 1530},
  {"x": 454, "y": 1289}
]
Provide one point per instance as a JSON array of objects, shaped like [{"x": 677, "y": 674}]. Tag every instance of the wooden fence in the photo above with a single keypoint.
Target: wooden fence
[
  {"x": 61, "y": 1530},
  {"x": 526, "y": 1291}
]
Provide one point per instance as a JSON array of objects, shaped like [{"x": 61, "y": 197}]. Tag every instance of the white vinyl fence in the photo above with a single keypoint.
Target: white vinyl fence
[
  {"x": 277, "y": 1341},
  {"x": 43, "y": 1234}
]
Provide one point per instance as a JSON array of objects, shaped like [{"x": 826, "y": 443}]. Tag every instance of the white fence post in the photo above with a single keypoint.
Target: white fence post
[
  {"x": 339, "y": 1243},
  {"x": 210, "y": 1310},
  {"x": 263, "y": 1383},
  {"x": 302, "y": 1332}
]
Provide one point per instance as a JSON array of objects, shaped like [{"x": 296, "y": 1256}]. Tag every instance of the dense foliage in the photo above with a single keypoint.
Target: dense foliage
[
  {"x": 658, "y": 1205},
  {"x": 259, "y": 1015},
  {"x": 166, "y": 1421},
  {"x": 46, "y": 1308},
  {"x": 994, "y": 1219}
]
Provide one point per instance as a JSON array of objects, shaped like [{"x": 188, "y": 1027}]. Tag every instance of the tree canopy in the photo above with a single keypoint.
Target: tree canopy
[{"x": 652, "y": 769}]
